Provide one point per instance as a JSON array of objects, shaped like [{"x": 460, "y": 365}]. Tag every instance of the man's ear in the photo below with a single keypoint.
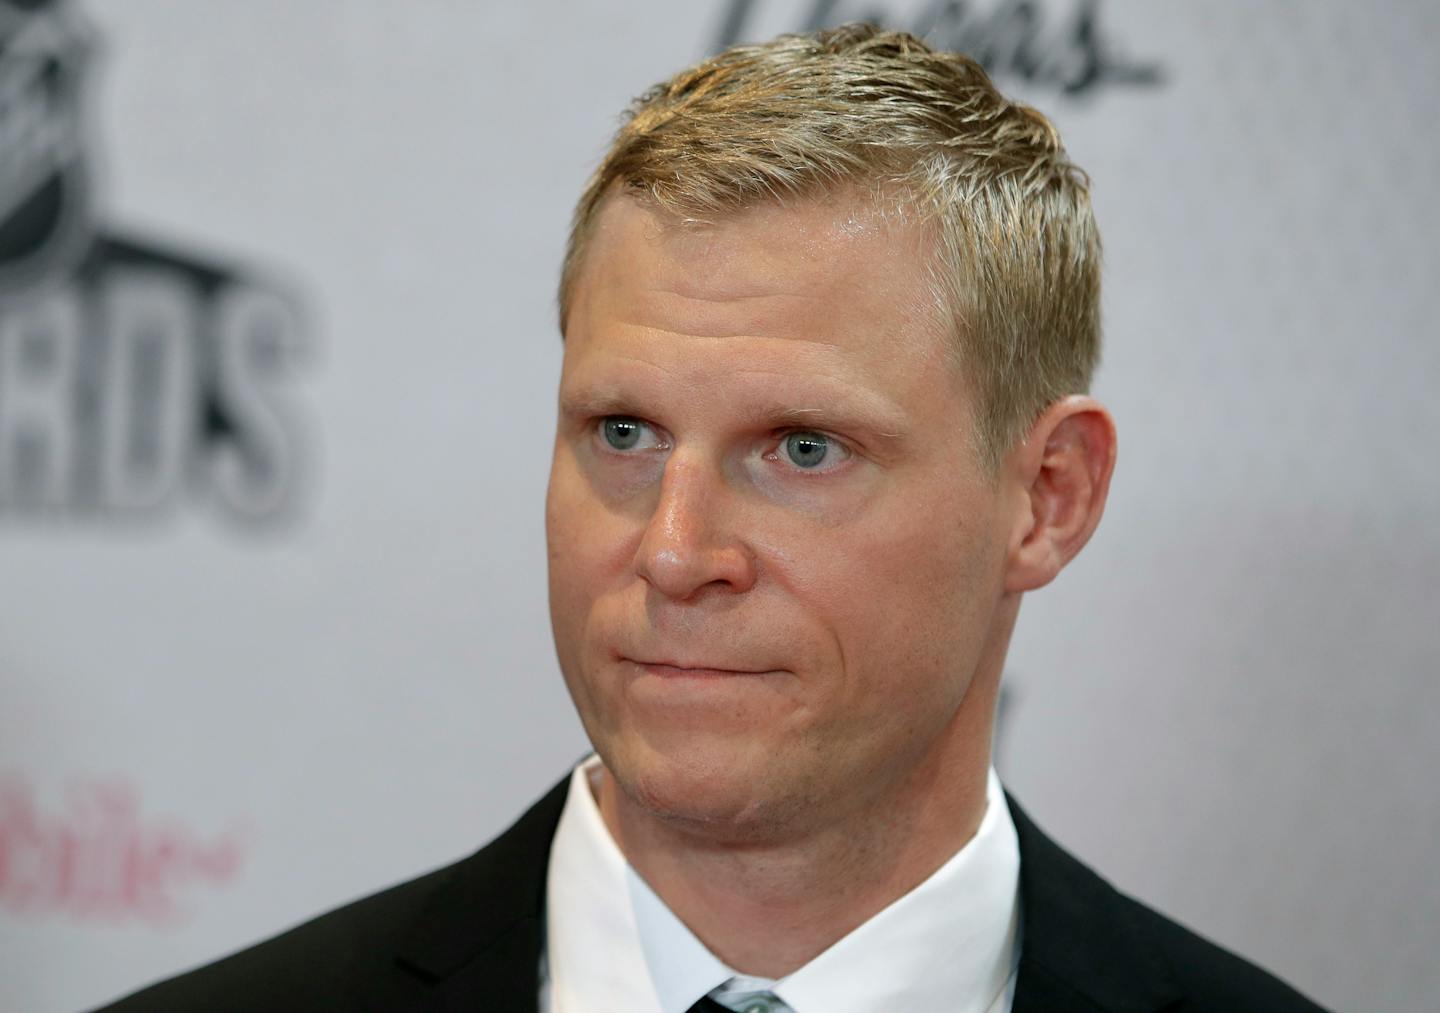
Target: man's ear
[{"x": 1060, "y": 474}]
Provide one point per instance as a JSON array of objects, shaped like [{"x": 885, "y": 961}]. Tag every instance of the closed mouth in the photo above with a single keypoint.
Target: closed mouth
[{"x": 676, "y": 670}]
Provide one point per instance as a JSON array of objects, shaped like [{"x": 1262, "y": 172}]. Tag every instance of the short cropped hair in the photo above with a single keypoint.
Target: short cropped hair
[{"x": 1016, "y": 263}]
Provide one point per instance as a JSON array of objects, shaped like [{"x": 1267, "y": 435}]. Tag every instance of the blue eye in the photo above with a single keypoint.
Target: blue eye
[
  {"x": 621, "y": 433},
  {"x": 807, "y": 450}
]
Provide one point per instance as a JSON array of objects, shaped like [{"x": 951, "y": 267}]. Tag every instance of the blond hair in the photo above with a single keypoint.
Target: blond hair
[{"x": 1016, "y": 268}]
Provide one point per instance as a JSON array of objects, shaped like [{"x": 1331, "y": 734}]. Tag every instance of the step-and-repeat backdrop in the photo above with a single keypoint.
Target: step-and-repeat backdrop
[{"x": 277, "y": 353}]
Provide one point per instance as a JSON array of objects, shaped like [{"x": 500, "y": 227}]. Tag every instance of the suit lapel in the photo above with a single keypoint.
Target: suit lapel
[
  {"x": 1080, "y": 949},
  {"x": 478, "y": 940}
]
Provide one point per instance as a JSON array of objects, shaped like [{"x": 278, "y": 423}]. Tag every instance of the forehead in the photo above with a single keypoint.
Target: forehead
[{"x": 832, "y": 280}]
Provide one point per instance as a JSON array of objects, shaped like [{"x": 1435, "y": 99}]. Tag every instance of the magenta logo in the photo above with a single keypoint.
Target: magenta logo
[{"x": 93, "y": 852}]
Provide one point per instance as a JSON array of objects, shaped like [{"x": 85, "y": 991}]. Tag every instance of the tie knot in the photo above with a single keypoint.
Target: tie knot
[
  {"x": 760, "y": 1002},
  {"x": 735, "y": 997}
]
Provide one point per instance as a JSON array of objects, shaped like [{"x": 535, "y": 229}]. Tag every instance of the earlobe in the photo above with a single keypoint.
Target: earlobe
[{"x": 1063, "y": 470}]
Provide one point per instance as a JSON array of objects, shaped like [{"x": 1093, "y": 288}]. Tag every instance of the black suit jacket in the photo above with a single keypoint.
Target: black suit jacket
[{"x": 469, "y": 937}]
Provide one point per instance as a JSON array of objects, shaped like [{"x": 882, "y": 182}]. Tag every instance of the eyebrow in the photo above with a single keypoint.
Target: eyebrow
[{"x": 825, "y": 418}]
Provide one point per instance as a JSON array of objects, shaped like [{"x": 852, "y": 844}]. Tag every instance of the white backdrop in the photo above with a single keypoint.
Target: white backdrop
[{"x": 223, "y": 711}]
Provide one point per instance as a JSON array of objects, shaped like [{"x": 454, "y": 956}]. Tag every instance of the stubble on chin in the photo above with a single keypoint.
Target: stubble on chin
[{"x": 704, "y": 799}]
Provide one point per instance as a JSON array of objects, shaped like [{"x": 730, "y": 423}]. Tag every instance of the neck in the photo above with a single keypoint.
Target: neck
[{"x": 768, "y": 909}]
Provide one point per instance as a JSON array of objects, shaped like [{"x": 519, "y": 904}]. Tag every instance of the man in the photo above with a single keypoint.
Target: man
[{"x": 830, "y": 310}]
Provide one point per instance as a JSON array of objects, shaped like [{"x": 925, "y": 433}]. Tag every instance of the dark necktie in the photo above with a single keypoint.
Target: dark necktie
[{"x": 709, "y": 1005}]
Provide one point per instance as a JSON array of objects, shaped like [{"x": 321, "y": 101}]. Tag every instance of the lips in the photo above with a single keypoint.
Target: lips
[{"x": 692, "y": 669}]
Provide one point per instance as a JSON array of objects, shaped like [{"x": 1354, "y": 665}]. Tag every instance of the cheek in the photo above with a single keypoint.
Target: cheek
[
  {"x": 908, "y": 595},
  {"x": 584, "y": 533},
  {"x": 590, "y": 550},
  {"x": 580, "y": 556}
]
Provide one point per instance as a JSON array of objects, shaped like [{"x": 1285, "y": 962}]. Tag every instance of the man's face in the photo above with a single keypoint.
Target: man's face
[{"x": 775, "y": 559}]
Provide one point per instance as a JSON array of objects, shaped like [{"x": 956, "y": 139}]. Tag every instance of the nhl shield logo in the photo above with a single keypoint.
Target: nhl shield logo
[
  {"x": 44, "y": 188},
  {"x": 136, "y": 378}
]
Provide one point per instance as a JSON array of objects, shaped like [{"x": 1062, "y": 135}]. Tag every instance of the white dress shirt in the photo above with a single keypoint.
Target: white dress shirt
[{"x": 612, "y": 946}]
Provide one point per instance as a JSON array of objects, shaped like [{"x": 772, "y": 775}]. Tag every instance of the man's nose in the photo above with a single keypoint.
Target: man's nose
[{"x": 691, "y": 541}]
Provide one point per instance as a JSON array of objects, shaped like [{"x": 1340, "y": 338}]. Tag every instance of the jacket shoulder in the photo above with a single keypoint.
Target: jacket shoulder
[
  {"x": 1087, "y": 946},
  {"x": 391, "y": 949},
  {"x": 346, "y": 952},
  {"x": 1210, "y": 976}
]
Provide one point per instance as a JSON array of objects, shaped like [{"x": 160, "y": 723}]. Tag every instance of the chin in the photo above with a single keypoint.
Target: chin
[{"x": 717, "y": 789}]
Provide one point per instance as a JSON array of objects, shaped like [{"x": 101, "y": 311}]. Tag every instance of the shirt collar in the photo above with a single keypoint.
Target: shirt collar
[{"x": 949, "y": 944}]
